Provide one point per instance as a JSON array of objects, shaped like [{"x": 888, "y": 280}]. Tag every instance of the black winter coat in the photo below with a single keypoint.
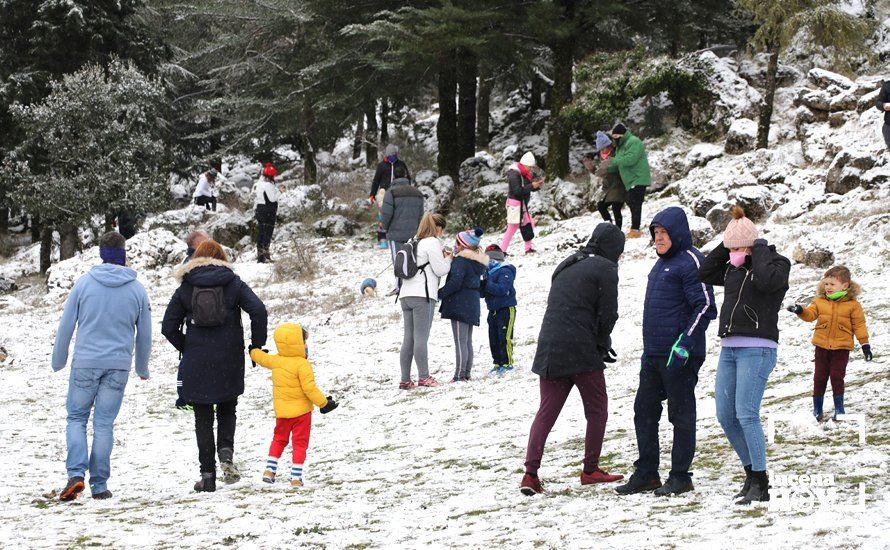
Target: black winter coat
[
  {"x": 518, "y": 188},
  {"x": 212, "y": 367},
  {"x": 460, "y": 293},
  {"x": 385, "y": 174},
  {"x": 582, "y": 308},
  {"x": 753, "y": 293},
  {"x": 884, "y": 97}
]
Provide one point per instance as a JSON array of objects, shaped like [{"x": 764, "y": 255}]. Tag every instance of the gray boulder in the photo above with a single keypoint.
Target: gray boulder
[
  {"x": 335, "y": 226},
  {"x": 741, "y": 137},
  {"x": 7, "y": 285},
  {"x": 484, "y": 207},
  {"x": 811, "y": 253},
  {"x": 846, "y": 171}
]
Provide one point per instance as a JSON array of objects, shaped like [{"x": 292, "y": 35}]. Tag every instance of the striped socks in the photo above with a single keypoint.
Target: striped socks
[
  {"x": 296, "y": 471},
  {"x": 272, "y": 464}
]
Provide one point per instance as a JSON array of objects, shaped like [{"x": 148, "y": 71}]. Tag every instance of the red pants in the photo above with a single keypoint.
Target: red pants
[
  {"x": 830, "y": 363},
  {"x": 299, "y": 429},
  {"x": 592, "y": 387}
]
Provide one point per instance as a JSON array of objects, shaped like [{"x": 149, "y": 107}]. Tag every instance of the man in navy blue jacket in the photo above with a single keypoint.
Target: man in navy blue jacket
[{"x": 676, "y": 313}]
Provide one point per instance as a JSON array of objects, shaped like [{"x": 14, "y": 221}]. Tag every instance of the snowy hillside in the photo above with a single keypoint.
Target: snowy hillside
[{"x": 441, "y": 466}]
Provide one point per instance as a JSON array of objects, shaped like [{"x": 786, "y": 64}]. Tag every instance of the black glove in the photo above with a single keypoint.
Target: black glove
[
  {"x": 252, "y": 347},
  {"x": 866, "y": 351},
  {"x": 608, "y": 355},
  {"x": 795, "y": 308},
  {"x": 329, "y": 407}
]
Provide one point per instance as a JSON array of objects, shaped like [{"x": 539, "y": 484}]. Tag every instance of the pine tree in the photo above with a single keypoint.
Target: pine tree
[
  {"x": 778, "y": 21},
  {"x": 93, "y": 146}
]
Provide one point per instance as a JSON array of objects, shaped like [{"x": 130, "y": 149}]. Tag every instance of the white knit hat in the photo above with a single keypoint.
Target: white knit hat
[{"x": 528, "y": 159}]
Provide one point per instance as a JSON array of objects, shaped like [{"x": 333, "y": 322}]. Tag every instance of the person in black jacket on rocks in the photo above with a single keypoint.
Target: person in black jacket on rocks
[
  {"x": 882, "y": 102},
  {"x": 400, "y": 213},
  {"x": 755, "y": 279},
  {"x": 384, "y": 176},
  {"x": 208, "y": 304},
  {"x": 573, "y": 346}
]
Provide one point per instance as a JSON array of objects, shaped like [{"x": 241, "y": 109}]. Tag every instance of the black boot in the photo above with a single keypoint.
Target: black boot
[
  {"x": 260, "y": 255},
  {"x": 637, "y": 484},
  {"x": 226, "y": 463},
  {"x": 207, "y": 483},
  {"x": 674, "y": 486},
  {"x": 747, "y": 484},
  {"x": 759, "y": 489}
]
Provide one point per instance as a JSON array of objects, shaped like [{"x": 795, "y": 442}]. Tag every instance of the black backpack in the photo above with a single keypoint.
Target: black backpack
[{"x": 208, "y": 306}]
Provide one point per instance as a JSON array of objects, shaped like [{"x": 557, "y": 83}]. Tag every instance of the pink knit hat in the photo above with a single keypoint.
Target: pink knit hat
[{"x": 740, "y": 232}]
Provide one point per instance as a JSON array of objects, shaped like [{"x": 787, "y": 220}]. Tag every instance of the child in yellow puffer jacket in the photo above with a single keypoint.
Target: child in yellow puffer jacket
[
  {"x": 838, "y": 317},
  {"x": 293, "y": 395}
]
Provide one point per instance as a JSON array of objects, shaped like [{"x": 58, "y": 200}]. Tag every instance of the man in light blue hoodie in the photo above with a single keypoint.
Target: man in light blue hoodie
[{"x": 110, "y": 310}]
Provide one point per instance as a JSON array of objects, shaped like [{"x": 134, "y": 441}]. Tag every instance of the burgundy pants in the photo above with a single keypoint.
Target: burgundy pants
[
  {"x": 830, "y": 364},
  {"x": 592, "y": 387}
]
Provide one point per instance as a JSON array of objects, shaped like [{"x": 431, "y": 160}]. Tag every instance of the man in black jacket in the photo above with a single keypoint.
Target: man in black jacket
[
  {"x": 883, "y": 104},
  {"x": 400, "y": 213},
  {"x": 573, "y": 347}
]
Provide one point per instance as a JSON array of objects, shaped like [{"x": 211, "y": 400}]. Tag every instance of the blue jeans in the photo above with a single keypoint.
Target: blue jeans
[
  {"x": 102, "y": 391},
  {"x": 741, "y": 380}
]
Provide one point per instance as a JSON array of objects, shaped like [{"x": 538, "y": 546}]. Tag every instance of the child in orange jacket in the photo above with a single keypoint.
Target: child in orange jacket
[
  {"x": 293, "y": 395},
  {"x": 838, "y": 318}
]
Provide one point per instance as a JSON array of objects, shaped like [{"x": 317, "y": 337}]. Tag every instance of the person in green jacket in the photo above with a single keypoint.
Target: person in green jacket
[{"x": 632, "y": 164}]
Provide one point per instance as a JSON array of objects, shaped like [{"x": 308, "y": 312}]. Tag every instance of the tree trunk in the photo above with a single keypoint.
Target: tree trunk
[
  {"x": 537, "y": 87},
  {"x": 46, "y": 248},
  {"x": 559, "y": 135},
  {"x": 467, "y": 70},
  {"x": 109, "y": 222},
  {"x": 358, "y": 144},
  {"x": 483, "y": 110},
  {"x": 310, "y": 166},
  {"x": 371, "y": 133},
  {"x": 69, "y": 241},
  {"x": 766, "y": 108},
  {"x": 446, "y": 127},
  {"x": 36, "y": 234},
  {"x": 4, "y": 220},
  {"x": 384, "y": 122}
]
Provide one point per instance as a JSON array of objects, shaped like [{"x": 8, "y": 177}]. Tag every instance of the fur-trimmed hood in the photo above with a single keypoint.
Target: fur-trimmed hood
[
  {"x": 852, "y": 293},
  {"x": 205, "y": 272}
]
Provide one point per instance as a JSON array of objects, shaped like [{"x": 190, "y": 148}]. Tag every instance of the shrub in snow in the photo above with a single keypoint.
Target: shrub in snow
[
  {"x": 335, "y": 226},
  {"x": 741, "y": 137},
  {"x": 811, "y": 253},
  {"x": 298, "y": 201},
  {"x": 424, "y": 177},
  {"x": 847, "y": 169}
]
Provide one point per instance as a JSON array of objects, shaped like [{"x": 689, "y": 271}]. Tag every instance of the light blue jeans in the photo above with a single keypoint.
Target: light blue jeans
[
  {"x": 741, "y": 380},
  {"x": 100, "y": 391}
]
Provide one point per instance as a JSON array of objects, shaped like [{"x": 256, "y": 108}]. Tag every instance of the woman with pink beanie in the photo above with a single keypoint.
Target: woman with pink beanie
[{"x": 755, "y": 279}]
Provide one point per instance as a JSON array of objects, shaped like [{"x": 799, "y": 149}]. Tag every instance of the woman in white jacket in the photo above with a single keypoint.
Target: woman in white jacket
[
  {"x": 418, "y": 300},
  {"x": 267, "y": 195},
  {"x": 204, "y": 194}
]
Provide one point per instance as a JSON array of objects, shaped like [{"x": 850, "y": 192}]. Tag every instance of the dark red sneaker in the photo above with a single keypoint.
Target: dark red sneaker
[
  {"x": 530, "y": 486},
  {"x": 74, "y": 487},
  {"x": 599, "y": 476}
]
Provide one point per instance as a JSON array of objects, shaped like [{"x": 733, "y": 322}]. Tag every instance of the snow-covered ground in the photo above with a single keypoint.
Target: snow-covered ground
[{"x": 442, "y": 466}]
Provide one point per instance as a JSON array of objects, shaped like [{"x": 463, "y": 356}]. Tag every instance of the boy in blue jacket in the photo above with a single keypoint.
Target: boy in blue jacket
[{"x": 500, "y": 297}]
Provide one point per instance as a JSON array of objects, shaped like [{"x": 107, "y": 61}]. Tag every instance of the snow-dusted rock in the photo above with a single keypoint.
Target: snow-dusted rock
[
  {"x": 478, "y": 171},
  {"x": 701, "y": 229},
  {"x": 298, "y": 201},
  {"x": 183, "y": 220},
  {"x": 757, "y": 200},
  {"x": 753, "y": 69},
  {"x": 823, "y": 79},
  {"x": 812, "y": 253},
  {"x": 7, "y": 285},
  {"x": 154, "y": 250},
  {"x": 741, "y": 137},
  {"x": 703, "y": 153},
  {"x": 484, "y": 207},
  {"x": 442, "y": 189},
  {"x": 570, "y": 199},
  {"x": 335, "y": 226},
  {"x": 847, "y": 169},
  {"x": 732, "y": 96},
  {"x": 228, "y": 230},
  {"x": 816, "y": 100},
  {"x": 867, "y": 101},
  {"x": 424, "y": 177}
]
